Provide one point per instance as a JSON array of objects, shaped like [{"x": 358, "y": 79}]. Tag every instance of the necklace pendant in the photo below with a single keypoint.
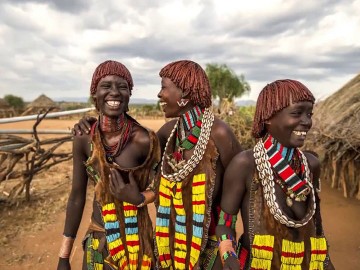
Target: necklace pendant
[{"x": 289, "y": 201}]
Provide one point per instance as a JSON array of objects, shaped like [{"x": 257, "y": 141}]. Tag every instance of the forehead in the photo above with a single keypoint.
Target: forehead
[
  {"x": 301, "y": 105},
  {"x": 166, "y": 81},
  {"x": 113, "y": 78}
]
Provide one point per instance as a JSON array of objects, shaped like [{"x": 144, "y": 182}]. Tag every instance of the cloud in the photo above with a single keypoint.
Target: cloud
[{"x": 52, "y": 47}]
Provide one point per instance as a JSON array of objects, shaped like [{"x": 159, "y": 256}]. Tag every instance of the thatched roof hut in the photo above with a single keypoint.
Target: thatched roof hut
[
  {"x": 4, "y": 104},
  {"x": 5, "y": 109},
  {"x": 42, "y": 103},
  {"x": 336, "y": 137}
]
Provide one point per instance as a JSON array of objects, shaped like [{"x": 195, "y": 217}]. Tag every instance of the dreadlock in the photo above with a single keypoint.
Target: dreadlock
[
  {"x": 110, "y": 67},
  {"x": 274, "y": 97},
  {"x": 190, "y": 77}
]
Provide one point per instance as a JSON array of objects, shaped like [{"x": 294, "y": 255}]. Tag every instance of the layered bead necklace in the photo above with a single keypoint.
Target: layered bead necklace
[
  {"x": 191, "y": 121},
  {"x": 269, "y": 160},
  {"x": 123, "y": 125}
]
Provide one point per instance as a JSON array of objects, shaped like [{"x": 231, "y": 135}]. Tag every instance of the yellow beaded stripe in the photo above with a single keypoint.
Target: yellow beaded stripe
[
  {"x": 115, "y": 245},
  {"x": 292, "y": 255},
  {"x": 318, "y": 253},
  {"x": 166, "y": 197},
  {"x": 146, "y": 263},
  {"x": 180, "y": 247},
  {"x": 198, "y": 207},
  {"x": 163, "y": 223},
  {"x": 262, "y": 251},
  {"x": 132, "y": 234}
]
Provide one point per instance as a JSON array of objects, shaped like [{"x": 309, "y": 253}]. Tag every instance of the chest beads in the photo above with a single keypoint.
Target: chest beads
[
  {"x": 268, "y": 158},
  {"x": 200, "y": 130}
]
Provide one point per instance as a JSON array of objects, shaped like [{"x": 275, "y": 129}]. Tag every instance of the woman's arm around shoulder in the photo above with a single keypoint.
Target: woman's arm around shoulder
[{"x": 226, "y": 142}]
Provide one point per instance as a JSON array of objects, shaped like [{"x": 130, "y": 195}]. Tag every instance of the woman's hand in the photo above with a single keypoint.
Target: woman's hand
[
  {"x": 83, "y": 126},
  {"x": 64, "y": 264},
  {"x": 231, "y": 263},
  {"x": 124, "y": 192}
]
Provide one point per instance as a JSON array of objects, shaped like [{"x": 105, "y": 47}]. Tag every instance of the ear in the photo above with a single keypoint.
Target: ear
[
  {"x": 185, "y": 93},
  {"x": 93, "y": 98},
  {"x": 267, "y": 122}
]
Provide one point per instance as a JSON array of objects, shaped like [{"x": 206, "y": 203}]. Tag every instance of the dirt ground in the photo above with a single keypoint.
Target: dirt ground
[{"x": 30, "y": 232}]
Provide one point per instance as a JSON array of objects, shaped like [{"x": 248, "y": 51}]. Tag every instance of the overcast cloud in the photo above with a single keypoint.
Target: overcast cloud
[{"x": 52, "y": 47}]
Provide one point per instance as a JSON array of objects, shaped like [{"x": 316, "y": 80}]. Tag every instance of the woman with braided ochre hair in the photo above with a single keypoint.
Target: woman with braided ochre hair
[
  {"x": 119, "y": 156},
  {"x": 196, "y": 147},
  {"x": 275, "y": 186}
]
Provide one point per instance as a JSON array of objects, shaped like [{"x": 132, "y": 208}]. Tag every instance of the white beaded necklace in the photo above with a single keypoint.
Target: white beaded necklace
[{"x": 267, "y": 180}]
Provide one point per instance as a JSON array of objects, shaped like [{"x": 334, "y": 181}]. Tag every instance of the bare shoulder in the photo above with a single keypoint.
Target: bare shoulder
[
  {"x": 164, "y": 132},
  {"x": 244, "y": 159},
  {"x": 313, "y": 161},
  {"x": 221, "y": 130},
  {"x": 141, "y": 136}
]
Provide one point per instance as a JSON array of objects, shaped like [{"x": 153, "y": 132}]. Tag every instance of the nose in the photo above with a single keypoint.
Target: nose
[
  {"x": 159, "y": 95},
  {"x": 114, "y": 90},
  {"x": 306, "y": 120}
]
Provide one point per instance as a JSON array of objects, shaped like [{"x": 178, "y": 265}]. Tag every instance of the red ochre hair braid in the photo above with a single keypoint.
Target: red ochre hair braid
[
  {"x": 273, "y": 98},
  {"x": 110, "y": 67},
  {"x": 191, "y": 78}
]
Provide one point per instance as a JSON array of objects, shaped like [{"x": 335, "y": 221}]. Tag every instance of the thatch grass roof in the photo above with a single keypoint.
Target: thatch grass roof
[
  {"x": 4, "y": 104},
  {"x": 336, "y": 120},
  {"x": 42, "y": 102}
]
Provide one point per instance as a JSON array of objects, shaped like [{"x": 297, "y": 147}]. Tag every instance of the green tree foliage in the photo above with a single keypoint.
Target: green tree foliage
[
  {"x": 225, "y": 84},
  {"x": 241, "y": 123},
  {"x": 14, "y": 101}
]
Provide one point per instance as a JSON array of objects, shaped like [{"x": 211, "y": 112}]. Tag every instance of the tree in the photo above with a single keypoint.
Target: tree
[
  {"x": 225, "y": 84},
  {"x": 14, "y": 101}
]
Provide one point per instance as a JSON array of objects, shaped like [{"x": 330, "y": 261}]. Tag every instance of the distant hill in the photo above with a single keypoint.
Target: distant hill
[{"x": 245, "y": 103}]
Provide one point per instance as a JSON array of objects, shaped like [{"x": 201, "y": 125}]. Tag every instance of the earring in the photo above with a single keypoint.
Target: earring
[{"x": 182, "y": 102}]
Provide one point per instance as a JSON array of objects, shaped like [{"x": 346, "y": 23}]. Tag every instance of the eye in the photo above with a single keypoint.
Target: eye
[
  {"x": 105, "y": 85},
  {"x": 296, "y": 113}
]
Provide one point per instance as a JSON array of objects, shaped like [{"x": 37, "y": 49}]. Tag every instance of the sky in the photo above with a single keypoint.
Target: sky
[{"x": 52, "y": 47}]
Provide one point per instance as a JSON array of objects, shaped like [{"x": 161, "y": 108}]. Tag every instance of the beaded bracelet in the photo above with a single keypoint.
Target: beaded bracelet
[
  {"x": 224, "y": 237},
  {"x": 228, "y": 254}
]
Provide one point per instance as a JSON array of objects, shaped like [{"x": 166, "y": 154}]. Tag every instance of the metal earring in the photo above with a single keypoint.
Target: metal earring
[{"x": 182, "y": 102}]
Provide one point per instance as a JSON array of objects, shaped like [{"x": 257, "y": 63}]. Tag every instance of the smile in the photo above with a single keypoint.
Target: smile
[
  {"x": 113, "y": 103},
  {"x": 300, "y": 133}
]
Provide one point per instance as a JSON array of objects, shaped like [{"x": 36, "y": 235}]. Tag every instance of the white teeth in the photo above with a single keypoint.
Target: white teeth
[
  {"x": 113, "y": 103},
  {"x": 162, "y": 104},
  {"x": 300, "y": 133}
]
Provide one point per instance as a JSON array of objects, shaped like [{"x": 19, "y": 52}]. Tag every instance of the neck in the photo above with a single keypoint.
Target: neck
[
  {"x": 286, "y": 152},
  {"x": 189, "y": 118},
  {"x": 110, "y": 124}
]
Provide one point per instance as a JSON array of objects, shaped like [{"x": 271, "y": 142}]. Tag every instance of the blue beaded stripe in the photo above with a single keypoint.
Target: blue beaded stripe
[
  {"x": 162, "y": 217},
  {"x": 111, "y": 225},
  {"x": 180, "y": 225},
  {"x": 112, "y": 237}
]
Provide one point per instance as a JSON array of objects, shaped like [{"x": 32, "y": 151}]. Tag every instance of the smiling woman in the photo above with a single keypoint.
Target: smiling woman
[
  {"x": 275, "y": 186},
  {"x": 119, "y": 156}
]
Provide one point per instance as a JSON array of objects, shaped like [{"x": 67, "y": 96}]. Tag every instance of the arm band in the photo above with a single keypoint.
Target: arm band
[
  {"x": 227, "y": 220},
  {"x": 66, "y": 247}
]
